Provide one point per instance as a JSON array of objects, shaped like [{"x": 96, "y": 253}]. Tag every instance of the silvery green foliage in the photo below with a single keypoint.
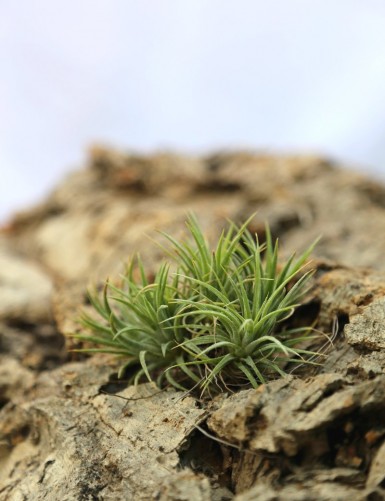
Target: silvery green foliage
[{"x": 216, "y": 322}]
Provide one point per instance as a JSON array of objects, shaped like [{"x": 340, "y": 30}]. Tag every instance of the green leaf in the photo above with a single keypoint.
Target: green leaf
[{"x": 142, "y": 360}]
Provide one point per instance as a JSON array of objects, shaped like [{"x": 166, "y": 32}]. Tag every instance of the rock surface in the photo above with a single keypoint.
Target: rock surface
[{"x": 70, "y": 430}]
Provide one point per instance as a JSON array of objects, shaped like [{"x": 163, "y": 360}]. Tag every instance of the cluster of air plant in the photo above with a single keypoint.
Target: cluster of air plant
[{"x": 217, "y": 321}]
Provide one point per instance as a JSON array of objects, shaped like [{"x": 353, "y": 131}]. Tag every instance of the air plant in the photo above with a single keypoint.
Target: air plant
[{"x": 218, "y": 321}]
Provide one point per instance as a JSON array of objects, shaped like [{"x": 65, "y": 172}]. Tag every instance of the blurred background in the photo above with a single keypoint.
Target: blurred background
[{"x": 186, "y": 75}]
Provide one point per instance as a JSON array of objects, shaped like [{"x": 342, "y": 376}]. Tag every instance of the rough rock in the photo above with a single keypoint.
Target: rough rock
[
  {"x": 99, "y": 216},
  {"x": 325, "y": 426},
  {"x": 367, "y": 330},
  {"x": 73, "y": 442},
  {"x": 70, "y": 430},
  {"x": 25, "y": 289}
]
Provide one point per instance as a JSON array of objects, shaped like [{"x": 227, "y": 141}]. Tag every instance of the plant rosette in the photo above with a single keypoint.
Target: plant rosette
[{"x": 217, "y": 322}]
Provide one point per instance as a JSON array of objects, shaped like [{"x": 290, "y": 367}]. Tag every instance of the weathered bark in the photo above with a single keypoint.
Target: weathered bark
[
  {"x": 75, "y": 443},
  {"x": 69, "y": 430}
]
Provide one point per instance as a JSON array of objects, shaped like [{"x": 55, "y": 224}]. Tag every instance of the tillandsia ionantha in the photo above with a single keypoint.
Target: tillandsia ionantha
[{"x": 216, "y": 322}]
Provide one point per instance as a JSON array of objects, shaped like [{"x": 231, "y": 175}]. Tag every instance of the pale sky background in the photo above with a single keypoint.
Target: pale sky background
[{"x": 191, "y": 75}]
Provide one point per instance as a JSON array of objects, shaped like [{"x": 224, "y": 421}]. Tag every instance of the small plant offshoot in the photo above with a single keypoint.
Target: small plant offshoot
[{"x": 216, "y": 322}]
